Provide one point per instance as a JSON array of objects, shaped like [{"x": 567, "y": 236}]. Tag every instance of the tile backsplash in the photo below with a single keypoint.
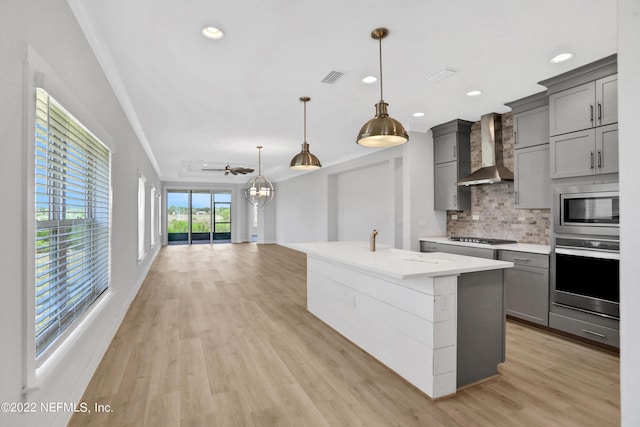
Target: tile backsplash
[{"x": 494, "y": 204}]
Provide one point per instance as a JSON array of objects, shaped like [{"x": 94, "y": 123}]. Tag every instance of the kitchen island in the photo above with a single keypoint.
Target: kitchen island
[{"x": 436, "y": 319}]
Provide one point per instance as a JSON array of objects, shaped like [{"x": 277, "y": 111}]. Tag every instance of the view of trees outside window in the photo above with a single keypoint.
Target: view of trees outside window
[
  {"x": 202, "y": 215},
  {"x": 177, "y": 212}
]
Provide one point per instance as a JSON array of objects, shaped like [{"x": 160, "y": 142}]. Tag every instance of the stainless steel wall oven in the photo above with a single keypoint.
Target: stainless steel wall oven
[
  {"x": 586, "y": 247},
  {"x": 587, "y": 275}
]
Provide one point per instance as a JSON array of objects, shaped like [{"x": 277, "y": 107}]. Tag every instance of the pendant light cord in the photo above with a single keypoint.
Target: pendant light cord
[
  {"x": 259, "y": 162},
  {"x": 380, "y": 56},
  {"x": 305, "y": 121}
]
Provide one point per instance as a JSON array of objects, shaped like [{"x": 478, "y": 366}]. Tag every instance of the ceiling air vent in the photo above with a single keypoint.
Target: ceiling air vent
[
  {"x": 332, "y": 77},
  {"x": 441, "y": 74}
]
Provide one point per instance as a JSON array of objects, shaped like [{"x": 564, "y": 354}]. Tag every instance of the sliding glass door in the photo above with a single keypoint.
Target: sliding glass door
[
  {"x": 198, "y": 216},
  {"x": 178, "y": 217},
  {"x": 222, "y": 216}
]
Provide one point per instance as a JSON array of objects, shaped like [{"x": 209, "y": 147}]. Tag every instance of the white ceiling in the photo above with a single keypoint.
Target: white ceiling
[{"x": 192, "y": 100}]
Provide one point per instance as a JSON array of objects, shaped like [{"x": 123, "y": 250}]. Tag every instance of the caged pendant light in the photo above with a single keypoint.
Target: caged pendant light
[
  {"x": 382, "y": 130},
  {"x": 259, "y": 190},
  {"x": 304, "y": 160}
]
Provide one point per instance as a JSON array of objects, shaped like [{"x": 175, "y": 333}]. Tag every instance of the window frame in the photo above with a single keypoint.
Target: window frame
[
  {"x": 37, "y": 372},
  {"x": 142, "y": 227},
  {"x": 153, "y": 204}
]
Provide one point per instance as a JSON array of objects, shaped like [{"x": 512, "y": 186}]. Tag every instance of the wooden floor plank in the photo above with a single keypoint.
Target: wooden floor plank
[{"x": 219, "y": 335}]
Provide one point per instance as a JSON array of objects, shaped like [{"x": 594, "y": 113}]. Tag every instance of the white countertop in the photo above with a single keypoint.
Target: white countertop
[
  {"x": 397, "y": 263},
  {"x": 519, "y": 247}
]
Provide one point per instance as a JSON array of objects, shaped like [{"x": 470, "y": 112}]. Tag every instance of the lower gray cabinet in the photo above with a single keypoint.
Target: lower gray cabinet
[{"x": 527, "y": 286}]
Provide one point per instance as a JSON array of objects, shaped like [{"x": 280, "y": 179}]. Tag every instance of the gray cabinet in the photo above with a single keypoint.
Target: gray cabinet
[
  {"x": 527, "y": 286},
  {"x": 583, "y": 117},
  {"x": 585, "y": 106},
  {"x": 426, "y": 246},
  {"x": 531, "y": 127},
  {"x": 452, "y": 158},
  {"x": 532, "y": 186},
  {"x": 587, "y": 152},
  {"x": 607, "y": 100},
  {"x": 607, "y": 149},
  {"x": 446, "y": 148}
]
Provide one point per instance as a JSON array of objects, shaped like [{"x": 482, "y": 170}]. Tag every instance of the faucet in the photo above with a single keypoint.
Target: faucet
[{"x": 372, "y": 240}]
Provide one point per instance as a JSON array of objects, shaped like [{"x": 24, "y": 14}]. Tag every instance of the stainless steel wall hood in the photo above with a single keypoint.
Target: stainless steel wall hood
[{"x": 492, "y": 170}]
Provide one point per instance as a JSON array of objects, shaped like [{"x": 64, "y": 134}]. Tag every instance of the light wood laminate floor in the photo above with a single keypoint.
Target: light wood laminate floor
[{"x": 219, "y": 336}]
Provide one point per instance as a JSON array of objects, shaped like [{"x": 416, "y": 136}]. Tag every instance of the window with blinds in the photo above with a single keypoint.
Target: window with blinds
[
  {"x": 152, "y": 222},
  {"x": 72, "y": 208},
  {"x": 141, "y": 206}
]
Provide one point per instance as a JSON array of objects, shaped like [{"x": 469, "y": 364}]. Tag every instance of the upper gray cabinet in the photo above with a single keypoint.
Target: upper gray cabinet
[
  {"x": 531, "y": 127},
  {"x": 532, "y": 186},
  {"x": 582, "y": 107},
  {"x": 583, "y": 117},
  {"x": 452, "y": 158},
  {"x": 607, "y": 100},
  {"x": 588, "y": 152}
]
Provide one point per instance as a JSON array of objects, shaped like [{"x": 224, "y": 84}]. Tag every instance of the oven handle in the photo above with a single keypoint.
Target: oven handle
[{"x": 588, "y": 254}]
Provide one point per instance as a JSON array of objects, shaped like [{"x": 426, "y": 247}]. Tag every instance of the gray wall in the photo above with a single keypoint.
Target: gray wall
[{"x": 45, "y": 35}]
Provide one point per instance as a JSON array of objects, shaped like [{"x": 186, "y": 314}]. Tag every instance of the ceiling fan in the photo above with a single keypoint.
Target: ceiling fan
[{"x": 229, "y": 170}]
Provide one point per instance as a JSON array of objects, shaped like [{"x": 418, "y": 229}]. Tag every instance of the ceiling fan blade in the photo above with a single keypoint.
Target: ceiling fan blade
[{"x": 244, "y": 171}]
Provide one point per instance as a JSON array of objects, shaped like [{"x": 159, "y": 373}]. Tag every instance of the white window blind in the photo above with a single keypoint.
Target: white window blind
[
  {"x": 72, "y": 207},
  {"x": 159, "y": 214},
  {"x": 152, "y": 222},
  {"x": 141, "y": 206}
]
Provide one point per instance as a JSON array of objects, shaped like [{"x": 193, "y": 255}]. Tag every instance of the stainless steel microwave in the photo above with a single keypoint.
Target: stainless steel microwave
[{"x": 588, "y": 209}]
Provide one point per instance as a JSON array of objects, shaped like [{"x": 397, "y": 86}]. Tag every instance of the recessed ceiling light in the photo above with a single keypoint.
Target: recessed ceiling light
[
  {"x": 561, "y": 57},
  {"x": 474, "y": 93},
  {"x": 369, "y": 79},
  {"x": 418, "y": 114},
  {"x": 212, "y": 33}
]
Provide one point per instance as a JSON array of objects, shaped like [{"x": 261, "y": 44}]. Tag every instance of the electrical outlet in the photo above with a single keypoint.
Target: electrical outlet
[
  {"x": 476, "y": 217},
  {"x": 454, "y": 217}
]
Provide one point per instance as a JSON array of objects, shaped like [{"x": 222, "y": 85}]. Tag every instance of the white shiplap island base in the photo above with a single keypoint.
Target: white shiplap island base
[{"x": 436, "y": 319}]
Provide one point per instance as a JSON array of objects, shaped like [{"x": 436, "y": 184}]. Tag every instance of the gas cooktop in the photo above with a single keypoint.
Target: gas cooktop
[{"x": 482, "y": 240}]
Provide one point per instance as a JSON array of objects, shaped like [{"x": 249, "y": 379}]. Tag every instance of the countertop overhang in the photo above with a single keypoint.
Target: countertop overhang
[{"x": 397, "y": 263}]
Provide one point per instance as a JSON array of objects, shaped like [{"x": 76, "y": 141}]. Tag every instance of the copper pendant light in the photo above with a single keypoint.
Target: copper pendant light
[
  {"x": 382, "y": 130},
  {"x": 304, "y": 160}
]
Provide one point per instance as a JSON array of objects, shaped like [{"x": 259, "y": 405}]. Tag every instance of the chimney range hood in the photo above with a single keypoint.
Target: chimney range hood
[{"x": 492, "y": 170}]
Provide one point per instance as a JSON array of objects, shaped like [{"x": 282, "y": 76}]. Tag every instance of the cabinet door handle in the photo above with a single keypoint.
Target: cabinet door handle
[
  {"x": 515, "y": 137},
  {"x": 592, "y": 160},
  {"x": 521, "y": 259},
  {"x": 599, "y": 158},
  {"x": 517, "y": 198},
  {"x": 454, "y": 151},
  {"x": 600, "y": 112},
  {"x": 455, "y": 200},
  {"x": 586, "y": 331},
  {"x": 591, "y": 108}
]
